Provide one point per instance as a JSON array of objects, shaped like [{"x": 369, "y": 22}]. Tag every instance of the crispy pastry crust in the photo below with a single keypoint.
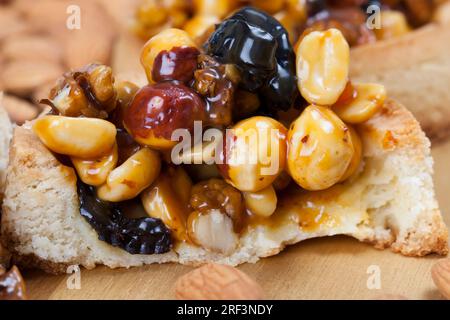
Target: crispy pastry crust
[
  {"x": 415, "y": 69},
  {"x": 394, "y": 206}
]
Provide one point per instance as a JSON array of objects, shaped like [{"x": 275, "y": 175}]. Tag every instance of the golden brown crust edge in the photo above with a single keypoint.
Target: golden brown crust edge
[
  {"x": 415, "y": 69},
  {"x": 396, "y": 128}
]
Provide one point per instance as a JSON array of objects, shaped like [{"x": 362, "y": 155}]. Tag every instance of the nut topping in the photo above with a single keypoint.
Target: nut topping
[
  {"x": 217, "y": 282},
  {"x": 85, "y": 138}
]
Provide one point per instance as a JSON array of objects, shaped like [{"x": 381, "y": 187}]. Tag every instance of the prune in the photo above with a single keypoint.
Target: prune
[
  {"x": 176, "y": 64},
  {"x": 259, "y": 46},
  {"x": 157, "y": 110},
  {"x": 136, "y": 236}
]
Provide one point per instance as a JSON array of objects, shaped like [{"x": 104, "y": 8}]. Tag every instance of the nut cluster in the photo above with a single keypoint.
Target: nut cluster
[{"x": 118, "y": 138}]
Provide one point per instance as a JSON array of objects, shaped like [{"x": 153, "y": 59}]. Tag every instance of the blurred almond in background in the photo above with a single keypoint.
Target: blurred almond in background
[{"x": 38, "y": 44}]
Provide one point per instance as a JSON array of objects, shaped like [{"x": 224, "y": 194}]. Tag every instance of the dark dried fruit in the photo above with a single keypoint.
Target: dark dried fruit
[
  {"x": 176, "y": 64},
  {"x": 259, "y": 47},
  {"x": 12, "y": 286},
  {"x": 157, "y": 110},
  {"x": 136, "y": 236},
  {"x": 217, "y": 194}
]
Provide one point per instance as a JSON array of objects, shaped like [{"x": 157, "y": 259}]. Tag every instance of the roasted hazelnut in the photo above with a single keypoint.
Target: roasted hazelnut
[
  {"x": 125, "y": 92},
  {"x": 355, "y": 163},
  {"x": 321, "y": 149},
  {"x": 178, "y": 63},
  {"x": 157, "y": 110},
  {"x": 166, "y": 41},
  {"x": 323, "y": 60},
  {"x": 254, "y": 153}
]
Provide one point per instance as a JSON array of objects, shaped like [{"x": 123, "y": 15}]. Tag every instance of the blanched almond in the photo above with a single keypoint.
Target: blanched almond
[
  {"x": 93, "y": 41},
  {"x": 10, "y": 22},
  {"x": 22, "y": 77},
  {"x": 19, "y": 110},
  {"x": 441, "y": 276},
  {"x": 47, "y": 15},
  {"x": 31, "y": 48},
  {"x": 217, "y": 282}
]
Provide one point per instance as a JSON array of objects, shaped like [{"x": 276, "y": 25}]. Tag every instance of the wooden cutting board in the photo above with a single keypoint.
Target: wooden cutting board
[{"x": 327, "y": 268}]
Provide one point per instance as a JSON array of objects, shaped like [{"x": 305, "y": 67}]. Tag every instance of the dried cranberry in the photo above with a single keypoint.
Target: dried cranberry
[
  {"x": 161, "y": 108},
  {"x": 176, "y": 64}
]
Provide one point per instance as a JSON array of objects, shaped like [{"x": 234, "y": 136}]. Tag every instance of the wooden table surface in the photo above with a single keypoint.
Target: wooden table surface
[{"x": 327, "y": 268}]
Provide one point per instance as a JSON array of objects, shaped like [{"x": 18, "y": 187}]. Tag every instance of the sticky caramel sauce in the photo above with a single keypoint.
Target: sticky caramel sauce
[{"x": 307, "y": 209}]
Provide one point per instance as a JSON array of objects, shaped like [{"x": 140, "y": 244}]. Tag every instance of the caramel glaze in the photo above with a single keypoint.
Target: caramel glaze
[{"x": 305, "y": 208}]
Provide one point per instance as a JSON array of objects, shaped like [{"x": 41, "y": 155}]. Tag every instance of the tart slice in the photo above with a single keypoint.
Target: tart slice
[{"x": 115, "y": 174}]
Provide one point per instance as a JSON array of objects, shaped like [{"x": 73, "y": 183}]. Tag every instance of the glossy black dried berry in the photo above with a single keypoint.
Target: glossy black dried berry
[
  {"x": 136, "y": 236},
  {"x": 259, "y": 46}
]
